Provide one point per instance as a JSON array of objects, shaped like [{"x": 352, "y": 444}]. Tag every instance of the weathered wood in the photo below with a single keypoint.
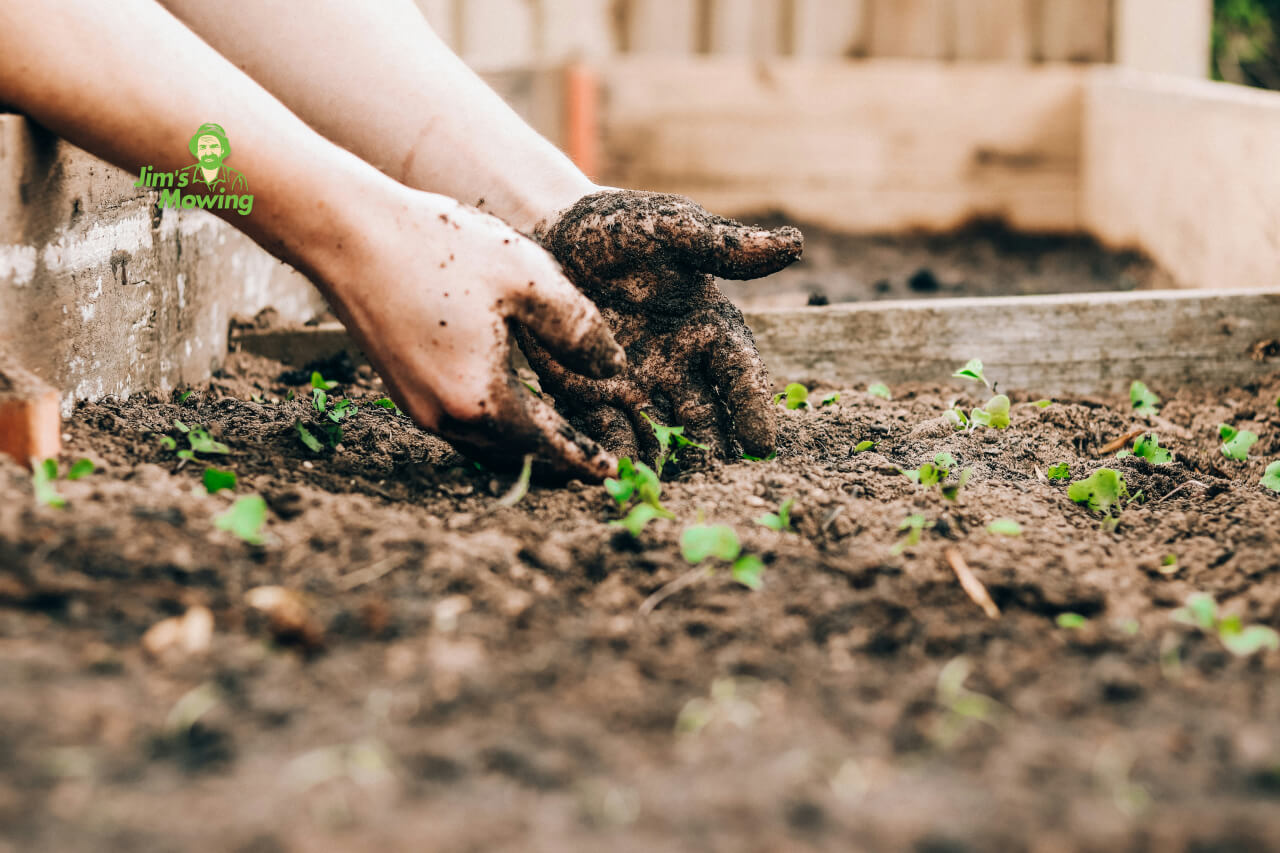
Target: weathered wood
[
  {"x": 993, "y": 29},
  {"x": 663, "y": 27},
  {"x": 1068, "y": 344},
  {"x": 1187, "y": 170},
  {"x": 829, "y": 29},
  {"x": 872, "y": 146},
  {"x": 575, "y": 29},
  {"x": 747, "y": 27},
  {"x": 911, "y": 29},
  {"x": 1169, "y": 36},
  {"x": 1075, "y": 30}
]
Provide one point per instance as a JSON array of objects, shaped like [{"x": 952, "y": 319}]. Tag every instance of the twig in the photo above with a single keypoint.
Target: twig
[
  {"x": 1120, "y": 443},
  {"x": 667, "y": 590},
  {"x": 1180, "y": 488},
  {"x": 972, "y": 586},
  {"x": 369, "y": 573}
]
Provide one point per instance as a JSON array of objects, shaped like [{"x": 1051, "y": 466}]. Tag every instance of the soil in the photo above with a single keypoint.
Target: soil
[
  {"x": 984, "y": 258},
  {"x": 459, "y": 675}
]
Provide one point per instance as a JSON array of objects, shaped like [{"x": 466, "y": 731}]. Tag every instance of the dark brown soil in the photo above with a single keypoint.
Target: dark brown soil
[
  {"x": 480, "y": 678},
  {"x": 983, "y": 259}
]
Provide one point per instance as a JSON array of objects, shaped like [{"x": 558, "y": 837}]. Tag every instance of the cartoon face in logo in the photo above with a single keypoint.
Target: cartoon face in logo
[{"x": 210, "y": 146}]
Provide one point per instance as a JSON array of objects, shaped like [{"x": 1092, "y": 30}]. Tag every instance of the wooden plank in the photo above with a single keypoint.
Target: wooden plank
[
  {"x": 662, "y": 27},
  {"x": 993, "y": 30},
  {"x": 575, "y": 30},
  {"x": 747, "y": 27},
  {"x": 1185, "y": 169},
  {"x": 496, "y": 34},
  {"x": 1075, "y": 30},
  {"x": 829, "y": 29},
  {"x": 911, "y": 29},
  {"x": 872, "y": 146},
  {"x": 1169, "y": 36},
  {"x": 1069, "y": 344}
]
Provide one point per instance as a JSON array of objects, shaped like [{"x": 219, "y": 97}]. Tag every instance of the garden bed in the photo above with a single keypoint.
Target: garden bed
[{"x": 465, "y": 675}]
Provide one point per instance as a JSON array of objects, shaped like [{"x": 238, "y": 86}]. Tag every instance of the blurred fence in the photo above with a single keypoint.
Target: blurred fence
[{"x": 1162, "y": 35}]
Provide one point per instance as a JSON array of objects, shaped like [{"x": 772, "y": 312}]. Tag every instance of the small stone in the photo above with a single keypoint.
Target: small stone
[{"x": 288, "y": 616}]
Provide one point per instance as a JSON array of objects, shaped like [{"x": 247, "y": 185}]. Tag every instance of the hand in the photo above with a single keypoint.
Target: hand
[
  {"x": 648, "y": 261},
  {"x": 428, "y": 292}
]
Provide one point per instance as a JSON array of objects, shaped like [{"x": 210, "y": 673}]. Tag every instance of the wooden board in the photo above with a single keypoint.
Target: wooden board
[
  {"x": 1075, "y": 30},
  {"x": 873, "y": 146},
  {"x": 911, "y": 29},
  {"x": 1188, "y": 171},
  {"x": 829, "y": 29},
  {"x": 993, "y": 29},
  {"x": 1069, "y": 344},
  {"x": 748, "y": 27},
  {"x": 661, "y": 27}
]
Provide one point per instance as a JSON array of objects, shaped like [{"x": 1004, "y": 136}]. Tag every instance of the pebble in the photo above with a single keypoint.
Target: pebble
[{"x": 189, "y": 634}]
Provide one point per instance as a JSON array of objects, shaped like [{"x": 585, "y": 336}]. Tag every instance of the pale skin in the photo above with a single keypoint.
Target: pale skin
[{"x": 393, "y": 142}]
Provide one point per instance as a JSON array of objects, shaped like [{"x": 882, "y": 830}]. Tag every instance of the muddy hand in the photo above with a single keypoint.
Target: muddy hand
[{"x": 648, "y": 261}]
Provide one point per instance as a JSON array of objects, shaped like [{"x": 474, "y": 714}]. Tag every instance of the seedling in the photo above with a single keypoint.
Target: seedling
[
  {"x": 1201, "y": 611},
  {"x": 794, "y": 396},
  {"x": 829, "y": 399},
  {"x": 1042, "y": 404},
  {"x": 702, "y": 542},
  {"x": 521, "y": 486},
  {"x": 244, "y": 519},
  {"x": 1169, "y": 564},
  {"x": 879, "y": 389},
  {"x": 388, "y": 403},
  {"x": 994, "y": 415},
  {"x": 638, "y": 518},
  {"x": 331, "y": 431},
  {"x": 972, "y": 370},
  {"x": 963, "y": 707},
  {"x": 863, "y": 446},
  {"x": 1104, "y": 491},
  {"x": 1005, "y": 527},
  {"x": 1236, "y": 442},
  {"x": 342, "y": 409},
  {"x": 202, "y": 442},
  {"x": 43, "y": 476},
  {"x": 780, "y": 520},
  {"x": 319, "y": 400},
  {"x": 936, "y": 472},
  {"x": 1271, "y": 477},
  {"x": 772, "y": 456},
  {"x": 951, "y": 491},
  {"x": 215, "y": 480},
  {"x": 1060, "y": 471},
  {"x": 318, "y": 382},
  {"x": 1148, "y": 447},
  {"x": 670, "y": 441},
  {"x": 635, "y": 480},
  {"x": 957, "y": 418},
  {"x": 1071, "y": 620},
  {"x": 914, "y": 525},
  {"x": 1143, "y": 399},
  {"x": 80, "y": 468}
]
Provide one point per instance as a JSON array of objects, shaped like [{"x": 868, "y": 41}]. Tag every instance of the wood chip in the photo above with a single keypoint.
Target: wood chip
[
  {"x": 1122, "y": 442},
  {"x": 972, "y": 586}
]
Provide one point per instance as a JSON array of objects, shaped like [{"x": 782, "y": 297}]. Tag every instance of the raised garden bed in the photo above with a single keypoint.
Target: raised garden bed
[{"x": 456, "y": 654}]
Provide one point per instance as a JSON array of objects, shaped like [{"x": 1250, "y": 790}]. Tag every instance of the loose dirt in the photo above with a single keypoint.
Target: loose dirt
[{"x": 474, "y": 677}]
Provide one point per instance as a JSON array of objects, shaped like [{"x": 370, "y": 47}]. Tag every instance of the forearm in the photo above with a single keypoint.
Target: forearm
[
  {"x": 130, "y": 83},
  {"x": 387, "y": 88}
]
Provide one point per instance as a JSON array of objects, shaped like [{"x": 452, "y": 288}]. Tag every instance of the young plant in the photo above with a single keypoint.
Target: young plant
[
  {"x": 794, "y": 396},
  {"x": 957, "y": 418},
  {"x": 215, "y": 480},
  {"x": 972, "y": 370},
  {"x": 914, "y": 525},
  {"x": 671, "y": 441},
  {"x": 45, "y": 474},
  {"x": 780, "y": 520},
  {"x": 331, "y": 431},
  {"x": 1105, "y": 492},
  {"x": 772, "y": 456},
  {"x": 1271, "y": 477},
  {"x": 879, "y": 389},
  {"x": 1201, "y": 611},
  {"x": 1005, "y": 527},
  {"x": 1060, "y": 471},
  {"x": 962, "y": 707},
  {"x": 389, "y": 404},
  {"x": 702, "y": 542},
  {"x": 936, "y": 472},
  {"x": 1042, "y": 404},
  {"x": 244, "y": 519},
  {"x": 829, "y": 399},
  {"x": 1148, "y": 447},
  {"x": 638, "y": 481},
  {"x": 318, "y": 382},
  {"x": 1071, "y": 620},
  {"x": 994, "y": 415},
  {"x": 1236, "y": 442},
  {"x": 1143, "y": 399},
  {"x": 863, "y": 446}
]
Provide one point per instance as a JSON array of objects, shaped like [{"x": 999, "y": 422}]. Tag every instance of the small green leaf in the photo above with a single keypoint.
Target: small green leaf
[
  {"x": 1226, "y": 432},
  {"x": 972, "y": 370},
  {"x": 342, "y": 409},
  {"x": 864, "y": 446},
  {"x": 1201, "y": 611},
  {"x": 182, "y": 398},
  {"x": 529, "y": 385},
  {"x": 1043, "y": 404},
  {"x": 80, "y": 468},
  {"x": 1246, "y": 641},
  {"x": 1060, "y": 471},
  {"x": 244, "y": 519},
  {"x": 318, "y": 382},
  {"x": 769, "y": 458},
  {"x": 312, "y": 443},
  {"x": 1143, "y": 399},
  {"x": 319, "y": 400},
  {"x": 795, "y": 396},
  {"x": 43, "y": 476},
  {"x": 748, "y": 570},
  {"x": 181, "y": 426},
  {"x": 951, "y": 491},
  {"x": 202, "y": 442},
  {"x": 957, "y": 418},
  {"x": 167, "y": 442},
  {"x": 188, "y": 455},
  {"x": 1271, "y": 477},
  {"x": 996, "y": 413},
  {"x": 780, "y": 520},
  {"x": 945, "y": 461},
  {"x": 1102, "y": 491},
  {"x": 1148, "y": 447},
  {"x": 1005, "y": 527},
  {"x": 829, "y": 399},
  {"x": 387, "y": 403},
  {"x": 636, "y": 520},
  {"x": 914, "y": 525},
  {"x": 1237, "y": 447},
  {"x": 879, "y": 389},
  {"x": 701, "y": 541},
  {"x": 1071, "y": 620},
  {"x": 215, "y": 480}
]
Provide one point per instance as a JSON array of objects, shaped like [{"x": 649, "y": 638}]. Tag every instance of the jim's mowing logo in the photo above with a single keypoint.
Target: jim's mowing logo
[{"x": 208, "y": 183}]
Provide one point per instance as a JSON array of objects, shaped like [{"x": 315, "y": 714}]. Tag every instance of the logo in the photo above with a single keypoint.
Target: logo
[{"x": 208, "y": 183}]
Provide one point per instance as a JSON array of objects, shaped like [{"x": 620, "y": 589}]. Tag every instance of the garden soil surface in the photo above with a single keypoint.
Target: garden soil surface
[{"x": 446, "y": 673}]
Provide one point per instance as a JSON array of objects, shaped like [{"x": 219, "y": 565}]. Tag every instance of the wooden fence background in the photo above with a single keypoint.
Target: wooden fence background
[{"x": 1156, "y": 35}]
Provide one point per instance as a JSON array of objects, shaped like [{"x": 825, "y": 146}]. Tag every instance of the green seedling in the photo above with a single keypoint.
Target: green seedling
[
  {"x": 244, "y": 519},
  {"x": 780, "y": 520},
  {"x": 168, "y": 442},
  {"x": 318, "y": 382},
  {"x": 794, "y": 396},
  {"x": 914, "y": 525},
  {"x": 638, "y": 518},
  {"x": 995, "y": 414},
  {"x": 80, "y": 468},
  {"x": 181, "y": 427},
  {"x": 962, "y": 707},
  {"x": 182, "y": 398},
  {"x": 1071, "y": 620},
  {"x": 1060, "y": 471},
  {"x": 1201, "y": 611},
  {"x": 1169, "y": 565},
  {"x": 972, "y": 370},
  {"x": 931, "y": 473},
  {"x": 389, "y": 404},
  {"x": 772, "y": 456},
  {"x": 1148, "y": 448},
  {"x": 1005, "y": 527},
  {"x": 957, "y": 418},
  {"x": 1104, "y": 491},
  {"x": 1271, "y": 477},
  {"x": 829, "y": 399},
  {"x": 863, "y": 446},
  {"x": 951, "y": 491},
  {"x": 216, "y": 480},
  {"x": 331, "y": 431},
  {"x": 1042, "y": 404},
  {"x": 1143, "y": 399},
  {"x": 319, "y": 400},
  {"x": 43, "y": 476},
  {"x": 202, "y": 442},
  {"x": 637, "y": 480},
  {"x": 879, "y": 389},
  {"x": 671, "y": 441},
  {"x": 702, "y": 542},
  {"x": 532, "y": 390},
  {"x": 521, "y": 486},
  {"x": 342, "y": 409},
  {"x": 1236, "y": 442}
]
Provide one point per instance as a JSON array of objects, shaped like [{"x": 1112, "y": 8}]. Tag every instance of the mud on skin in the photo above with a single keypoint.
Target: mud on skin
[{"x": 649, "y": 262}]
